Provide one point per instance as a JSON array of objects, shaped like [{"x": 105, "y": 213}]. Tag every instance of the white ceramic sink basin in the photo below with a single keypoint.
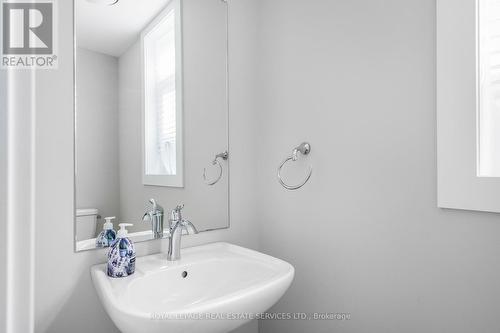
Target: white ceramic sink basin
[{"x": 213, "y": 288}]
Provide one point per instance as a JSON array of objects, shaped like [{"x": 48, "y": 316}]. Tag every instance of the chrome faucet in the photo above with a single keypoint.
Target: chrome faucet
[
  {"x": 177, "y": 225},
  {"x": 155, "y": 216}
]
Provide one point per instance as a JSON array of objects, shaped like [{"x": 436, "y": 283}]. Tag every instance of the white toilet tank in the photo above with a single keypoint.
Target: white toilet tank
[{"x": 86, "y": 222}]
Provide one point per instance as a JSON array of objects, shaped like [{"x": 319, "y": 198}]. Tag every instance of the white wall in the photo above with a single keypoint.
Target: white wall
[
  {"x": 3, "y": 198},
  {"x": 20, "y": 200},
  {"x": 65, "y": 300},
  {"x": 357, "y": 79},
  {"x": 97, "y": 163}
]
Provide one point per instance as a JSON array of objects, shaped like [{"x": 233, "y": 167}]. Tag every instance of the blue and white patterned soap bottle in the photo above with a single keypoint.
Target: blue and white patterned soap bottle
[
  {"x": 107, "y": 236},
  {"x": 121, "y": 255}
]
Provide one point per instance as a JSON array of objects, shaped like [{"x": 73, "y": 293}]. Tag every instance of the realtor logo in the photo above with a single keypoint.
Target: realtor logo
[{"x": 28, "y": 34}]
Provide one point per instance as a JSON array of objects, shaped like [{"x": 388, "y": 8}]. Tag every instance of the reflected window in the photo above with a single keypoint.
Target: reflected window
[
  {"x": 162, "y": 105},
  {"x": 489, "y": 88}
]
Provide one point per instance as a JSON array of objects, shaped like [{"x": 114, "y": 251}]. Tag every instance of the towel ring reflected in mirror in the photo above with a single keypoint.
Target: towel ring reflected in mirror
[
  {"x": 224, "y": 155},
  {"x": 304, "y": 149}
]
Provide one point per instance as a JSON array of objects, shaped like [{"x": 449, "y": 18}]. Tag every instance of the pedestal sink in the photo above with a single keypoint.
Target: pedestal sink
[{"x": 213, "y": 288}]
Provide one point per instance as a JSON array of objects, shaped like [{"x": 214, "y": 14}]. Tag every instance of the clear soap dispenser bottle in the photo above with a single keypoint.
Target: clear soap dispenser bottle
[
  {"x": 121, "y": 255},
  {"x": 107, "y": 236}
]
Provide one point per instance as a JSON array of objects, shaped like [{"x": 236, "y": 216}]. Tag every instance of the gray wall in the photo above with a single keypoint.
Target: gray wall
[
  {"x": 357, "y": 79},
  {"x": 97, "y": 178},
  {"x": 65, "y": 300}
]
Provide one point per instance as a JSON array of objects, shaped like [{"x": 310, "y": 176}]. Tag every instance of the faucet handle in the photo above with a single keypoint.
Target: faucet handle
[
  {"x": 156, "y": 207},
  {"x": 176, "y": 214}
]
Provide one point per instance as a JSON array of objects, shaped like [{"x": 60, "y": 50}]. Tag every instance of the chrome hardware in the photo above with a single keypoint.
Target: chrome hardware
[
  {"x": 224, "y": 155},
  {"x": 155, "y": 216},
  {"x": 304, "y": 149},
  {"x": 177, "y": 225}
]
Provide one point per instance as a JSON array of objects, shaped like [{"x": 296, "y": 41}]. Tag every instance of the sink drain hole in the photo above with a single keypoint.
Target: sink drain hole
[{"x": 184, "y": 274}]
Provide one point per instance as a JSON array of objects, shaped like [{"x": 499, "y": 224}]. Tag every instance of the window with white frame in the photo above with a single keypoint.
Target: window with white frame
[
  {"x": 162, "y": 106},
  {"x": 489, "y": 88}
]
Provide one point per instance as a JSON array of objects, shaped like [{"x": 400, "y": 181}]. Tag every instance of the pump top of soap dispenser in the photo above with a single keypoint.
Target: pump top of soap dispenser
[
  {"x": 107, "y": 236},
  {"x": 122, "y": 233},
  {"x": 108, "y": 224}
]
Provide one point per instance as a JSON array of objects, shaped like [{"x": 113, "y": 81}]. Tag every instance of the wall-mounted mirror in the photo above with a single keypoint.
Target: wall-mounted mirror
[{"x": 151, "y": 116}]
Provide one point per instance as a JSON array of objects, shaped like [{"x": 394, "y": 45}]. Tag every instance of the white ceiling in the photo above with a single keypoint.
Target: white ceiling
[{"x": 113, "y": 29}]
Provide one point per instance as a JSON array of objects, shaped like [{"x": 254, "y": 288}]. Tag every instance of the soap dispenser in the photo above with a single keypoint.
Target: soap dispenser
[
  {"x": 121, "y": 255},
  {"x": 107, "y": 236}
]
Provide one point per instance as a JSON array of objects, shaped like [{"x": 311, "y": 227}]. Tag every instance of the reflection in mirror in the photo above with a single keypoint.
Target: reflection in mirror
[
  {"x": 151, "y": 113},
  {"x": 488, "y": 88},
  {"x": 162, "y": 98}
]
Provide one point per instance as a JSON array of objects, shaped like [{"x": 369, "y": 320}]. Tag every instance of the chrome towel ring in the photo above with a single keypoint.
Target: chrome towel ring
[
  {"x": 304, "y": 149},
  {"x": 224, "y": 155}
]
